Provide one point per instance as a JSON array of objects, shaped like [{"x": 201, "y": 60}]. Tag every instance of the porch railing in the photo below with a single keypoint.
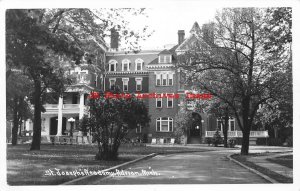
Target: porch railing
[
  {"x": 51, "y": 106},
  {"x": 70, "y": 106},
  {"x": 254, "y": 134}
]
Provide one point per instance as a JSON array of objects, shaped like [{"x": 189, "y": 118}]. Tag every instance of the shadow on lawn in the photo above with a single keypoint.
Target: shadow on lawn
[{"x": 26, "y": 167}]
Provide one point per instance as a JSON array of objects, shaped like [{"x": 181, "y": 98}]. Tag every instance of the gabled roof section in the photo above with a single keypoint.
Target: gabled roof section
[
  {"x": 184, "y": 46},
  {"x": 173, "y": 49},
  {"x": 165, "y": 52},
  {"x": 195, "y": 29},
  {"x": 193, "y": 37}
]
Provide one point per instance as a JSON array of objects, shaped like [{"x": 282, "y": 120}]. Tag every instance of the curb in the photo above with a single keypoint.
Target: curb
[
  {"x": 78, "y": 180},
  {"x": 252, "y": 170}
]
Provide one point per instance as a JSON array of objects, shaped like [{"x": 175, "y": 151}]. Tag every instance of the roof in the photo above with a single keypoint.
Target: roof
[
  {"x": 193, "y": 37},
  {"x": 165, "y": 52},
  {"x": 184, "y": 45},
  {"x": 195, "y": 28},
  {"x": 155, "y": 61},
  {"x": 117, "y": 53}
]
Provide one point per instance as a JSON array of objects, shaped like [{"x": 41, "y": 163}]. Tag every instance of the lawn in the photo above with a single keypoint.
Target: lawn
[
  {"x": 278, "y": 177},
  {"x": 283, "y": 160},
  {"x": 26, "y": 167}
]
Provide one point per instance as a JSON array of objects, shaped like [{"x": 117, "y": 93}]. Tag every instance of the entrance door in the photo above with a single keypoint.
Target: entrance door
[{"x": 195, "y": 131}]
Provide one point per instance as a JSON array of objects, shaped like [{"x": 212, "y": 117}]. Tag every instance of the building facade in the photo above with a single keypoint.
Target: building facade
[{"x": 144, "y": 72}]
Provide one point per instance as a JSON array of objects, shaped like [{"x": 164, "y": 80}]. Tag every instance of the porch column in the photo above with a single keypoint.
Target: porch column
[
  {"x": 59, "y": 123},
  {"x": 81, "y": 105}
]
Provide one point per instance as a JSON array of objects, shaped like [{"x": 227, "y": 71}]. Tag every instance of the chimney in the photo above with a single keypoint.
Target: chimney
[
  {"x": 180, "y": 36},
  {"x": 114, "y": 39}
]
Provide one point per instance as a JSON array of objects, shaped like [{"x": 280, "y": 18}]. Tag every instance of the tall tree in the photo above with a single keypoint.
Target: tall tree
[
  {"x": 34, "y": 36},
  {"x": 18, "y": 108},
  {"x": 111, "y": 118},
  {"x": 236, "y": 57}
]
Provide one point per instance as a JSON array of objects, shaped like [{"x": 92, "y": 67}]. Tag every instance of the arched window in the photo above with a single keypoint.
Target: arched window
[
  {"x": 112, "y": 66},
  {"x": 164, "y": 124},
  {"x": 125, "y": 65},
  {"x": 139, "y": 64}
]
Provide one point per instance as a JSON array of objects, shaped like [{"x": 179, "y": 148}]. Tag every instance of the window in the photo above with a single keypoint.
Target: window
[
  {"x": 138, "y": 129},
  {"x": 158, "y": 83},
  {"x": 125, "y": 84},
  {"x": 165, "y": 59},
  {"x": 169, "y": 102},
  {"x": 164, "y": 79},
  {"x": 231, "y": 125},
  {"x": 170, "y": 78},
  {"x": 164, "y": 124},
  {"x": 112, "y": 83},
  {"x": 74, "y": 98},
  {"x": 112, "y": 66},
  {"x": 138, "y": 84},
  {"x": 158, "y": 102},
  {"x": 139, "y": 64},
  {"x": 96, "y": 81},
  {"x": 219, "y": 125},
  {"x": 125, "y": 65}
]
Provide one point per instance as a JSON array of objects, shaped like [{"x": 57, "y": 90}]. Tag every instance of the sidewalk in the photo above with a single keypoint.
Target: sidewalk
[{"x": 263, "y": 162}]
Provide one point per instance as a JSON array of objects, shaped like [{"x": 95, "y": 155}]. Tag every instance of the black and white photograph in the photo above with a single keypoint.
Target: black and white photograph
[{"x": 183, "y": 93}]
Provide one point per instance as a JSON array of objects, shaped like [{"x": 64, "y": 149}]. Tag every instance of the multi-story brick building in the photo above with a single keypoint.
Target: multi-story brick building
[
  {"x": 147, "y": 71},
  {"x": 156, "y": 71}
]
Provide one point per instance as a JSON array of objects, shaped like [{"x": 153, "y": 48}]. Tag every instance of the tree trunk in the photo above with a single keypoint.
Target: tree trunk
[
  {"x": 245, "y": 143},
  {"x": 36, "y": 138},
  {"x": 225, "y": 133},
  {"x": 246, "y": 126},
  {"x": 15, "y": 128},
  {"x": 225, "y": 130}
]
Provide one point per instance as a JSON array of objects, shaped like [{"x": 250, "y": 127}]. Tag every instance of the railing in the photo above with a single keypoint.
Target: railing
[
  {"x": 54, "y": 139},
  {"x": 70, "y": 106},
  {"x": 51, "y": 106},
  {"x": 254, "y": 134}
]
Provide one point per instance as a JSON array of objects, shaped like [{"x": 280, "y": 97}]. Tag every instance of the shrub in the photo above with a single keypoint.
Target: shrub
[
  {"x": 145, "y": 138},
  {"x": 274, "y": 142},
  {"x": 208, "y": 140},
  {"x": 217, "y": 139},
  {"x": 289, "y": 141},
  {"x": 231, "y": 143},
  {"x": 261, "y": 141}
]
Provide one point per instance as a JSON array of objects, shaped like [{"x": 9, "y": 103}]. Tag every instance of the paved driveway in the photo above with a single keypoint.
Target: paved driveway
[{"x": 187, "y": 168}]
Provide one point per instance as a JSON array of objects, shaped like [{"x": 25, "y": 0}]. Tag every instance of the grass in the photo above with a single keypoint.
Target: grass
[
  {"x": 286, "y": 160},
  {"x": 26, "y": 167},
  {"x": 244, "y": 160}
]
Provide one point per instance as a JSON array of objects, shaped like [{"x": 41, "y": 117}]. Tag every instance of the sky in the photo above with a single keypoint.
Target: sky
[{"x": 166, "y": 21}]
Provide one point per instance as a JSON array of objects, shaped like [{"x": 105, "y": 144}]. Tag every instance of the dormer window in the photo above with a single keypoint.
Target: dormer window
[
  {"x": 125, "y": 65},
  {"x": 139, "y": 64},
  {"x": 165, "y": 59},
  {"x": 112, "y": 66}
]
